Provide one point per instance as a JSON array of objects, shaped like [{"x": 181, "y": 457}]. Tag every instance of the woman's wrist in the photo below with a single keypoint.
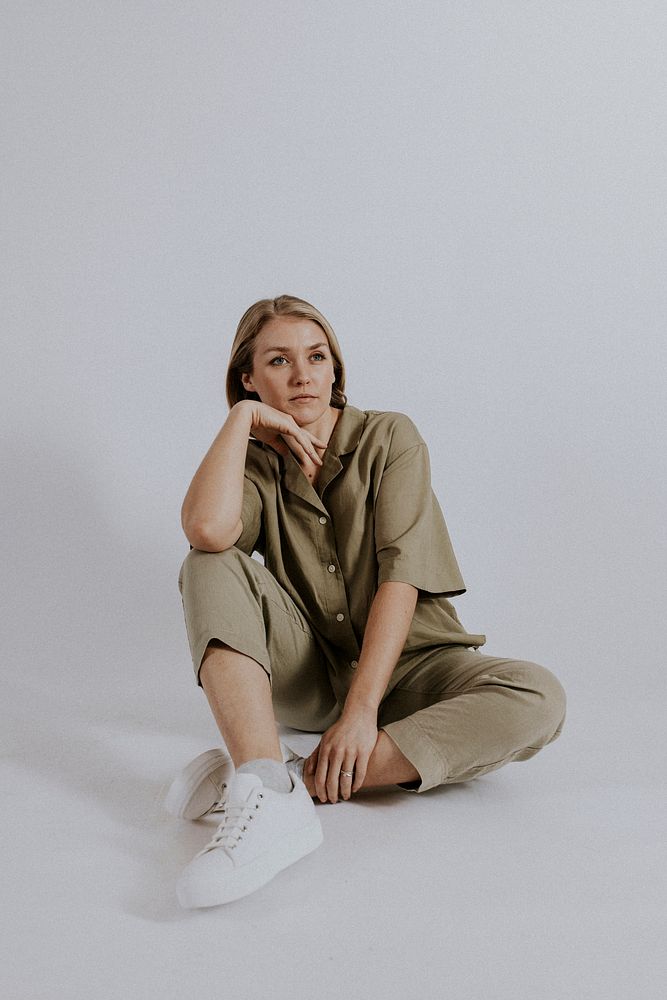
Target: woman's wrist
[
  {"x": 243, "y": 410},
  {"x": 357, "y": 705}
]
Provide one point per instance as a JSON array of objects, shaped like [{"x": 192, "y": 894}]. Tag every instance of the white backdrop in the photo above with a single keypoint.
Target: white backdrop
[{"x": 474, "y": 195}]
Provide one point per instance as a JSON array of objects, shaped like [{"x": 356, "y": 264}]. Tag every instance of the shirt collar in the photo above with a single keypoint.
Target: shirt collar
[
  {"x": 347, "y": 432},
  {"x": 344, "y": 439}
]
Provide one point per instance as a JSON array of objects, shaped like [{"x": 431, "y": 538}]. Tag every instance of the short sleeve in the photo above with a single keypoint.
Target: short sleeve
[
  {"x": 251, "y": 516},
  {"x": 411, "y": 538}
]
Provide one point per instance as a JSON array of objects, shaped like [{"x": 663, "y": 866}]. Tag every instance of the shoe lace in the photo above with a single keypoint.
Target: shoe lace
[{"x": 236, "y": 816}]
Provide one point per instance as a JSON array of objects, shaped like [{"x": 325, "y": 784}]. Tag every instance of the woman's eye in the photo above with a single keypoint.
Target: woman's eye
[{"x": 281, "y": 357}]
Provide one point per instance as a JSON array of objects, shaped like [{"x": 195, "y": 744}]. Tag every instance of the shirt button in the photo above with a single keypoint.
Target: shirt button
[
  {"x": 354, "y": 664},
  {"x": 340, "y": 617},
  {"x": 331, "y": 568},
  {"x": 323, "y": 520}
]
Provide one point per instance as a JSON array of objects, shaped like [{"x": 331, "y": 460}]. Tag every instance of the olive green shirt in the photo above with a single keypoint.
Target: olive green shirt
[{"x": 372, "y": 517}]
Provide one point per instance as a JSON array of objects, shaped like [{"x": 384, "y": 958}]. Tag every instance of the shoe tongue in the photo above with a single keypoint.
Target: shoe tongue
[{"x": 244, "y": 784}]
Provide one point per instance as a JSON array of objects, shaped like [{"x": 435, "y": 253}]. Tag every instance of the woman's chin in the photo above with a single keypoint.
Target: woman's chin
[{"x": 305, "y": 411}]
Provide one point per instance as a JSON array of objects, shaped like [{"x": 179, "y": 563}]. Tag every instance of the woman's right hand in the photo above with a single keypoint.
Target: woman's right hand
[{"x": 281, "y": 431}]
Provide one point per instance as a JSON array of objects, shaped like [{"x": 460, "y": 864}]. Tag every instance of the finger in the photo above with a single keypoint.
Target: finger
[
  {"x": 319, "y": 445},
  {"x": 311, "y": 760},
  {"x": 333, "y": 778},
  {"x": 311, "y": 453},
  {"x": 321, "y": 777},
  {"x": 311, "y": 444},
  {"x": 300, "y": 450},
  {"x": 309, "y": 447},
  {"x": 361, "y": 766},
  {"x": 346, "y": 779},
  {"x": 307, "y": 777},
  {"x": 300, "y": 440}
]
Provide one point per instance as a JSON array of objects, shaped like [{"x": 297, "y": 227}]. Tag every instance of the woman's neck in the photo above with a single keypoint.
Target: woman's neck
[{"x": 323, "y": 427}]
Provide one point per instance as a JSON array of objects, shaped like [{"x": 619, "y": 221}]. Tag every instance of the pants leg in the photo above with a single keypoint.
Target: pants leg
[
  {"x": 460, "y": 713},
  {"x": 231, "y": 597}
]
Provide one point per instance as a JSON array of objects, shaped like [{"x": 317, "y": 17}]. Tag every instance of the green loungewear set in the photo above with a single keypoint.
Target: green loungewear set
[{"x": 454, "y": 712}]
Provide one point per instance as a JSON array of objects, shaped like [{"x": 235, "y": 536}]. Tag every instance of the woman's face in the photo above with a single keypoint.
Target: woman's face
[{"x": 292, "y": 359}]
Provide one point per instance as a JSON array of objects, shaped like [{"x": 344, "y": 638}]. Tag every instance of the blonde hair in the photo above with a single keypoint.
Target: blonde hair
[{"x": 243, "y": 348}]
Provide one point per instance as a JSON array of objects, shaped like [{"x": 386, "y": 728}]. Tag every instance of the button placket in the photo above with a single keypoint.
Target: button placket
[{"x": 333, "y": 592}]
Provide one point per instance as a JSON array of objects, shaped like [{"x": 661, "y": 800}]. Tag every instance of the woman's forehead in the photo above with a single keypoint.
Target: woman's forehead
[{"x": 287, "y": 332}]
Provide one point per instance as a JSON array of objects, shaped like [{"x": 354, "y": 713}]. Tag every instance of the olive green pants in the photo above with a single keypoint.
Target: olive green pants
[{"x": 456, "y": 714}]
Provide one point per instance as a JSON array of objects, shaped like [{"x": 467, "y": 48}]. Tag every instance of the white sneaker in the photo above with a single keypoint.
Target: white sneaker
[
  {"x": 201, "y": 786},
  {"x": 262, "y": 832}
]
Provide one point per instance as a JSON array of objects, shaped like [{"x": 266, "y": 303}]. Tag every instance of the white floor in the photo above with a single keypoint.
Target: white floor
[{"x": 542, "y": 880}]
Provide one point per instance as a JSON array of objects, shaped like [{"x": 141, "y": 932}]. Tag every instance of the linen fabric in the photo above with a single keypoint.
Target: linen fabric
[
  {"x": 372, "y": 517},
  {"x": 454, "y": 712}
]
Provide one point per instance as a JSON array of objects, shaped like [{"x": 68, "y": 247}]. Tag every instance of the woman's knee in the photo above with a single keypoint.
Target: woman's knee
[
  {"x": 198, "y": 563},
  {"x": 549, "y": 699}
]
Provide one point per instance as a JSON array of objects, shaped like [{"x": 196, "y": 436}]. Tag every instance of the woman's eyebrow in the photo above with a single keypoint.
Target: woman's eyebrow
[{"x": 286, "y": 350}]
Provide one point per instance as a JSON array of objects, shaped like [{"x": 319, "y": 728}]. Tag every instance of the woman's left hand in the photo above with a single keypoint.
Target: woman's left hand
[{"x": 346, "y": 746}]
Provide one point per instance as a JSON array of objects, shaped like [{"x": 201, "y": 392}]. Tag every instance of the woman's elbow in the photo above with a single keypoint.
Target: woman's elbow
[{"x": 209, "y": 538}]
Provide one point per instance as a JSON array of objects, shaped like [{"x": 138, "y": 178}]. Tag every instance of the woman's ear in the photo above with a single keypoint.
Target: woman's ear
[{"x": 246, "y": 381}]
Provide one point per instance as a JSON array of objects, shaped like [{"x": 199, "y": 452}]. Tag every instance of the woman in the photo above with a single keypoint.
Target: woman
[{"x": 345, "y": 630}]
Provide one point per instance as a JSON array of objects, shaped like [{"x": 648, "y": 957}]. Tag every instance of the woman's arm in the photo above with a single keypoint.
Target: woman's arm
[
  {"x": 350, "y": 741},
  {"x": 211, "y": 511},
  {"x": 387, "y": 629}
]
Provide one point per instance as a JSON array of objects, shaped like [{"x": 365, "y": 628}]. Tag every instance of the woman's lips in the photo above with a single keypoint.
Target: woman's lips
[{"x": 302, "y": 399}]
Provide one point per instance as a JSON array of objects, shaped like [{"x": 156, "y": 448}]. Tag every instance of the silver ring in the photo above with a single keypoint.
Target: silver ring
[{"x": 348, "y": 773}]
